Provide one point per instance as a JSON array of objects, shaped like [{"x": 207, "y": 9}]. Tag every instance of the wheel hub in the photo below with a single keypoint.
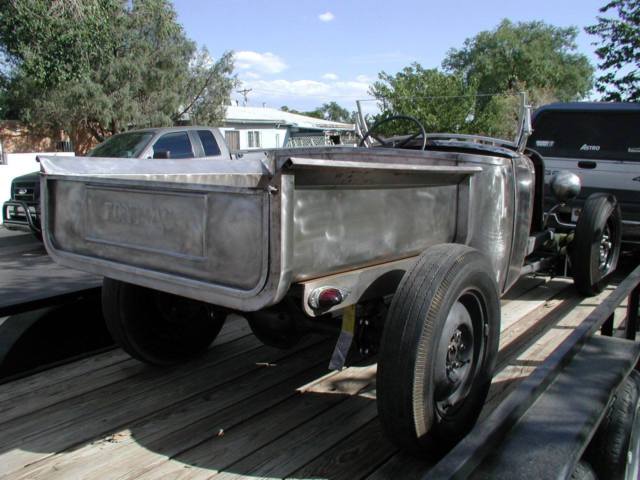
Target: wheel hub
[
  {"x": 456, "y": 355},
  {"x": 605, "y": 248},
  {"x": 454, "y": 363}
]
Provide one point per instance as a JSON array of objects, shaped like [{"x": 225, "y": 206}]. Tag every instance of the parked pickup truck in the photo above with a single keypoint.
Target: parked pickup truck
[
  {"x": 22, "y": 211},
  {"x": 402, "y": 246},
  {"x": 598, "y": 141}
]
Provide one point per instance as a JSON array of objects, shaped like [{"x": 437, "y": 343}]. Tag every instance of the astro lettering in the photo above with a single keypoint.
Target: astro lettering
[{"x": 590, "y": 148}]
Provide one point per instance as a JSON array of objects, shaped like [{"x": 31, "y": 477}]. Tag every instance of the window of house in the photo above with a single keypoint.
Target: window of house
[
  {"x": 232, "y": 137},
  {"x": 177, "y": 144},
  {"x": 253, "y": 138},
  {"x": 209, "y": 143}
]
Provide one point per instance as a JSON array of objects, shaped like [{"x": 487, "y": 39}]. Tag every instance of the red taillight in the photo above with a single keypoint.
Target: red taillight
[{"x": 325, "y": 297}]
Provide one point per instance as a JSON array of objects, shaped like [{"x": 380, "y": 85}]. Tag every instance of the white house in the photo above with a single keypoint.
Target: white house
[{"x": 246, "y": 128}]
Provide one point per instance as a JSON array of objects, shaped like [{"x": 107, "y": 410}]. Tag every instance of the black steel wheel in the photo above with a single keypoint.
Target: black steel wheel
[
  {"x": 438, "y": 349},
  {"x": 614, "y": 450},
  {"x": 156, "y": 327},
  {"x": 595, "y": 249}
]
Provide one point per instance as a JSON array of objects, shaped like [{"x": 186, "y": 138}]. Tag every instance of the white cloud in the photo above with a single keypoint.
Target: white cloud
[
  {"x": 267, "y": 62},
  {"x": 309, "y": 94},
  {"x": 251, "y": 75},
  {"x": 330, "y": 76},
  {"x": 308, "y": 91},
  {"x": 364, "y": 79},
  {"x": 326, "y": 16}
]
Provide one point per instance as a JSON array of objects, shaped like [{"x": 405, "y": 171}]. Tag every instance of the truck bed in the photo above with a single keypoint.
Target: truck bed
[
  {"x": 244, "y": 410},
  {"x": 239, "y": 233}
]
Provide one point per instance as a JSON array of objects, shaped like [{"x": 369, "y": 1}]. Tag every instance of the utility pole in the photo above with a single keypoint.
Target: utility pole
[{"x": 244, "y": 93}]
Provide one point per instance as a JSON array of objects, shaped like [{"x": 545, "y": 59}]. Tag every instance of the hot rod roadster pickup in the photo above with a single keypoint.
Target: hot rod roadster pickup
[{"x": 403, "y": 244}]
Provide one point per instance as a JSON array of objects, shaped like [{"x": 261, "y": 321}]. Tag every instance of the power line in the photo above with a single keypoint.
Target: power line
[
  {"x": 244, "y": 93},
  {"x": 429, "y": 97}
]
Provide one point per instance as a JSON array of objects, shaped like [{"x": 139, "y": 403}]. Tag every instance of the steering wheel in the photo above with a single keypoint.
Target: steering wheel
[{"x": 390, "y": 143}]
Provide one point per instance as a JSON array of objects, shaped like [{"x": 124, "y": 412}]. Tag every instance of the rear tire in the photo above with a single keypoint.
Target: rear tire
[
  {"x": 596, "y": 247},
  {"x": 277, "y": 326},
  {"x": 156, "y": 327},
  {"x": 438, "y": 349},
  {"x": 615, "y": 447}
]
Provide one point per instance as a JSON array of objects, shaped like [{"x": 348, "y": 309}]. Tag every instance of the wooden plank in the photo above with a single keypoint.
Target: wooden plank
[
  {"x": 168, "y": 428},
  {"x": 299, "y": 446},
  {"x": 357, "y": 378},
  {"x": 522, "y": 286},
  {"x": 530, "y": 301},
  {"x": 401, "y": 465},
  {"x": 261, "y": 431},
  {"x": 80, "y": 368},
  {"x": 540, "y": 346},
  {"x": 143, "y": 444},
  {"x": 87, "y": 416},
  {"x": 221, "y": 453},
  {"x": 532, "y": 325},
  {"x": 45, "y": 393},
  {"x": 354, "y": 457}
]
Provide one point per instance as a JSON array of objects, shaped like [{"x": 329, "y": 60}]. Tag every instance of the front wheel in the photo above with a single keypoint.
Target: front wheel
[
  {"x": 156, "y": 327},
  {"x": 595, "y": 249},
  {"x": 438, "y": 349}
]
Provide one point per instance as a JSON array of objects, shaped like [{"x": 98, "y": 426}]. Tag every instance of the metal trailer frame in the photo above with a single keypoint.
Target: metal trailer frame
[{"x": 522, "y": 437}]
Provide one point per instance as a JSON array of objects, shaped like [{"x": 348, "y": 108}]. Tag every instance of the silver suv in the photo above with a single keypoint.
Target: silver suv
[{"x": 600, "y": 142}]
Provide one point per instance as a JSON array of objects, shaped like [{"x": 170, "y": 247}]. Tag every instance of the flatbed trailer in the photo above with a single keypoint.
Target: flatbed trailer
[{"x": 246, "y": 410}]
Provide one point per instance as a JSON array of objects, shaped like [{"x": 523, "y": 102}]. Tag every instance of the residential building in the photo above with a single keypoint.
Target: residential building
[{"x": 247, "y": 128}]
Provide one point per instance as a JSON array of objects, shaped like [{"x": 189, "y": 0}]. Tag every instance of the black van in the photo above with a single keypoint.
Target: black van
[{"x": 600, "y": 142}]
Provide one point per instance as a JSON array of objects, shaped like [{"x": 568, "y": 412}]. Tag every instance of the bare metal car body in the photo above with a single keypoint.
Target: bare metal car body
[
  {"x": 240, "y": 233},
  {"x": 328, "y": 240}
]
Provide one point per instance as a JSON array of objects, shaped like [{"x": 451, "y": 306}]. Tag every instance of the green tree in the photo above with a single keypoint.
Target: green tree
[
  {"x": 333, "y": 112},
  {"x": 530, "y": 55},
  {"x": 619, "y": 51},
  {"x": 440, "y": 101},
  {"x": 285, "y": 108},
  {"x": 328, "y": 111},
  {"x": 478, "y": 89},
  {"x": 103, "y": 66}
]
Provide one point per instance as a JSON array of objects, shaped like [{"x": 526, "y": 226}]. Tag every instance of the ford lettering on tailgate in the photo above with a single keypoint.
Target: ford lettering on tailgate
[{"x": 161, "y": 222}]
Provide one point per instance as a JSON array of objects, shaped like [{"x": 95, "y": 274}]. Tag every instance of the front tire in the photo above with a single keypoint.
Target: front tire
[
  {"x": 596, "y": 247},
  {"x": 156, "y": 327},
  {"x": 438, "y": 349}
]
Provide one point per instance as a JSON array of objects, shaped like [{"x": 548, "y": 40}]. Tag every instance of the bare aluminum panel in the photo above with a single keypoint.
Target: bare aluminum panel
[
  {"x": 212, "y": 236},
  {"x": 340, "y": 229},
  {"x": 145, "y": 220}
]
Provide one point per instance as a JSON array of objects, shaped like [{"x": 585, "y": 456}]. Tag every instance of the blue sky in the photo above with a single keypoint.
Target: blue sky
[{"x": 303, "y": 53}]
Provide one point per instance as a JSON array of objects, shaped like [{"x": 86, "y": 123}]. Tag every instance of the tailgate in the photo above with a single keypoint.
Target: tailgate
[{"x": 196, "y": 228}]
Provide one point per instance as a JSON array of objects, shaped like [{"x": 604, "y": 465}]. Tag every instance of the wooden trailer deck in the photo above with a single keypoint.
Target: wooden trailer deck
[{"x": 244, "y": 410}]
